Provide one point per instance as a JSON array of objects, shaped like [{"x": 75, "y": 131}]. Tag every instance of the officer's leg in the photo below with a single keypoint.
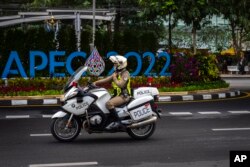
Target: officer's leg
[{"x": 111, "y": 104}]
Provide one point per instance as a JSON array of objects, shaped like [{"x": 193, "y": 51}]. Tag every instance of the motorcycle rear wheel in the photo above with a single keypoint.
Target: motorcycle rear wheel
[
  {"x": 61, "y": 133},
  {"x": 143, "y": 132}
]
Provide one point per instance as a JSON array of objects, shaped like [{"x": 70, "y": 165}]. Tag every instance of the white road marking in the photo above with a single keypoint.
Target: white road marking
[
  {"x": 64, "y": 164},
  {"x": 16, "y": 116},
  {"x": 180, "y": 113},
  {"x": 239, "y": 112},
  {"x": 230, "y": 129},
  {"x": 47, "y": 116},
  {"x": 40, "y": 135},
  {"x": 209, "y": 112}
]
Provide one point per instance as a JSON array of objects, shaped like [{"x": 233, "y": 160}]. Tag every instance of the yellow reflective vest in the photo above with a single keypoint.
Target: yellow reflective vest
[{"x": 118, "y": 91}]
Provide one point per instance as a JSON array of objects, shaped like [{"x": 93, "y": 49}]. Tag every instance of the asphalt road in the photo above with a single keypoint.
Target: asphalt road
[{"x": 191, "y": 134}]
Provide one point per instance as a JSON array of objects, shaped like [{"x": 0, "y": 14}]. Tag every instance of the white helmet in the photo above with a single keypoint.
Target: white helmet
[{"x": 119, "y": 60}]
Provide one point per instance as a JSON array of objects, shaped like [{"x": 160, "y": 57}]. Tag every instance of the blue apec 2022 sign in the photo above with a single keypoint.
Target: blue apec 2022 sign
[{"x": 51, "y": 62}]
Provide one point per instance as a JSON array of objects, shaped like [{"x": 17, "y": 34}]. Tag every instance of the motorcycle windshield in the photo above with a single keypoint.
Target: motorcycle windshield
[{"x": 76, "y": 76}]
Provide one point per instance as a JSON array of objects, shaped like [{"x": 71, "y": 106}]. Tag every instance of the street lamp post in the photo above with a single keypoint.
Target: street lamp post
[
  {"x": 78, "y": 30},
  {"x": 92, "y": 45}
]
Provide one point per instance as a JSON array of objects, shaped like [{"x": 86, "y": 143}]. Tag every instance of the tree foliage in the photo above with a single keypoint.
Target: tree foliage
[
  {"x": 163, "y": 8},
  {"x": 194, "y": 13},
  {"x": 238, "y": 15}
]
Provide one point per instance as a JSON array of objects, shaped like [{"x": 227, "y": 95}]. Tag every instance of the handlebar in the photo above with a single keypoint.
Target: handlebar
[{"x": 91, "y": 85}]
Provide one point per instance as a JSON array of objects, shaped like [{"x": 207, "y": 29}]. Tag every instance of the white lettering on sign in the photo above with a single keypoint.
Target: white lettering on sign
[
  {"x": 240, "y": 158},
  {"x": 143, "y": 92}
]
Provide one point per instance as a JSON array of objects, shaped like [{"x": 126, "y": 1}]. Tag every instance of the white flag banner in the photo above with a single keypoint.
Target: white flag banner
[{"x": 95, "y": 63}]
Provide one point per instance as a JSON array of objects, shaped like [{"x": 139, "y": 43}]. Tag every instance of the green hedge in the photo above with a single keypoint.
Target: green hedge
[{"x": 54, "y": 86}]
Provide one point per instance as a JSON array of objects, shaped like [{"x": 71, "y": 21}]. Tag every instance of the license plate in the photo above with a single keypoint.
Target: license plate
[{"x": 141, "y": 112}]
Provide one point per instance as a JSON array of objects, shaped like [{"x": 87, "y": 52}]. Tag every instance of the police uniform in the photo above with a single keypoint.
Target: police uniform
[
  {"x": 121, "y": 88},
  {"x": 120, "y": 81}
]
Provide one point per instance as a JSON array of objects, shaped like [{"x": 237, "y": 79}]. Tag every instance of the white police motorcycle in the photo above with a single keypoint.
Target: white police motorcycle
[{"x": 85, "y": 108}]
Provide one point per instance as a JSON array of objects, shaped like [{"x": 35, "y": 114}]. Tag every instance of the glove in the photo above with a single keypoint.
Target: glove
[{"x": 91, "y": 85}]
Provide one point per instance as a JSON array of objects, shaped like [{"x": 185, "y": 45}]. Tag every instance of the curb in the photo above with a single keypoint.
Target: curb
[
  {"x": 172, "y": 97},
  {"x": 30, "y": 102},
  {"x": 206, "y": 96}
]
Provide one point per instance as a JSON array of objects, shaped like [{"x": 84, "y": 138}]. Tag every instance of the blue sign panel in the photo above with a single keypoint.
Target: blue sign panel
[{"x": 51, "y": 62}]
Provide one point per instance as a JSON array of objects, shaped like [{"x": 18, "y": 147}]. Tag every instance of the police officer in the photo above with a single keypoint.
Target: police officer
[{"x": 120, "y": 81}]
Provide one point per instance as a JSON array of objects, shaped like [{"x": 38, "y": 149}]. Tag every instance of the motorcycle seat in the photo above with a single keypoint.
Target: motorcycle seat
[{"x": 126, "y": 103}]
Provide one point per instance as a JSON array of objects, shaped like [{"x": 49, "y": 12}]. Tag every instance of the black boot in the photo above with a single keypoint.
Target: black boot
[
  {"x": 113, "y": 115},
  {"x": 117, "y": 124}
]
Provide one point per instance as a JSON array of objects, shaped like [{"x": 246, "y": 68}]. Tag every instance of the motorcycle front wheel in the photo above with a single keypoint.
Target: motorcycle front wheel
[
  {"x": 63, "y": 133},
  {"x": 143, "y": 132}
]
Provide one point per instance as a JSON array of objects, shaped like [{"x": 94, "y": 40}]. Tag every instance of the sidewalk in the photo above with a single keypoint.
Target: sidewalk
[{"x": 235, "y": 76}]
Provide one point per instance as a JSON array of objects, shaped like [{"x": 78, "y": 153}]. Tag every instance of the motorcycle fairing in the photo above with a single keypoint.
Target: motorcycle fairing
[
  {"x": 103, "y": 97},
  {"x": 79, "y": 108}
]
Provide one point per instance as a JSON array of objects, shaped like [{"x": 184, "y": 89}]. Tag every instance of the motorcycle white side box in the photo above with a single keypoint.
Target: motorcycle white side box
[
  {"x": 143, "y": 91},
  {"x": 140, "y": 108},
  {"x": 139, "y": 101}
]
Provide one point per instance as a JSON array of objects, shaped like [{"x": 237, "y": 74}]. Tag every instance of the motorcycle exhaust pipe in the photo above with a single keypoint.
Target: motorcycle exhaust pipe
[{"x": 143, "y": 123}]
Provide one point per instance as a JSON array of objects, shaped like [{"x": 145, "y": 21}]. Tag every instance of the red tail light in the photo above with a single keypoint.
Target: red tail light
[{"x": 74, "y": 84}]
